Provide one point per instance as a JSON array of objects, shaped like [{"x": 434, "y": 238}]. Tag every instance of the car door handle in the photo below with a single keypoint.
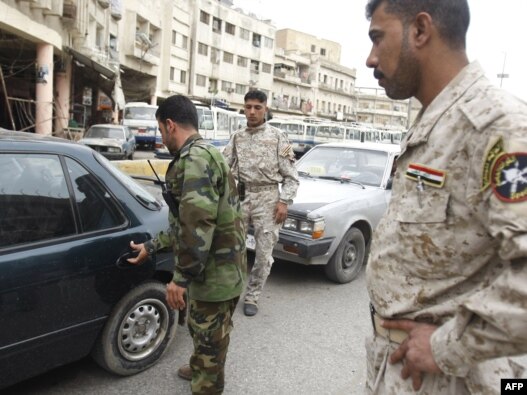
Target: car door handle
[{"x": 122, "y": 261}]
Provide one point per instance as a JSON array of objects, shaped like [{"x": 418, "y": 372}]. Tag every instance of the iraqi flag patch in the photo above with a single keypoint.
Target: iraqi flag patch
[
  {"x": 433, "y": 177},
  {"x": 509, "y": 177}
]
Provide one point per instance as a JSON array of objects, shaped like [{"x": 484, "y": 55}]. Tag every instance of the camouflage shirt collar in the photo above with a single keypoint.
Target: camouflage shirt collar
[
  {"x": 188, "y": 143},
  {"x": 256, "y": 129}
]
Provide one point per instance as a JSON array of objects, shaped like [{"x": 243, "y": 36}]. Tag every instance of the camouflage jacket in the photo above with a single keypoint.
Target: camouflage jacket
[
  {"x": 452, "y": 248},
  {"x": 207, "y": 237},
  {"x": 261, "y": 156}
]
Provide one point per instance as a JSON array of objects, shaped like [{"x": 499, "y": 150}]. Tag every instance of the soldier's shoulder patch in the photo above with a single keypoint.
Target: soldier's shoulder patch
[
  {"x": 509, "y": 177},
  {"x": 287, "y": 151},
  {"x": 493, "y": 153}
]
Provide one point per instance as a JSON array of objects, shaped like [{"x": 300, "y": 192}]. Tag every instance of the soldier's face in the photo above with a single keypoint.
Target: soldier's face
[
  {"x": 167, "y": 134},
  {"x": 395, "y": 65},
  {"x": 255, "y": 112}
]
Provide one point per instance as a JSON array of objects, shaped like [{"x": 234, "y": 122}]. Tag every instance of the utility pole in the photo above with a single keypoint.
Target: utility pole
[{"x": 502, "y": 75}]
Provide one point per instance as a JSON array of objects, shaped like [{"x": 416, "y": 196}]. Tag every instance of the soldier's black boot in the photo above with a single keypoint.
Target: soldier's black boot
[{"x": 250, "y": 309}]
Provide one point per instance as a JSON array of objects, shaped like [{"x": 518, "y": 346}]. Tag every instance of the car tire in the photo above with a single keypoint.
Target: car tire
[
  {"x": 138, "y": 331},
  {"x": 347, "y": 261}
]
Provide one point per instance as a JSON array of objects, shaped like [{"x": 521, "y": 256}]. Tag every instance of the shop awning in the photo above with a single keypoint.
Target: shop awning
[{"x": 87, "y": 61}]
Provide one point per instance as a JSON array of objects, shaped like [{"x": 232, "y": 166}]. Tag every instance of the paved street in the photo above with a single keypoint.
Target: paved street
[{"x": 306, "y": 339}]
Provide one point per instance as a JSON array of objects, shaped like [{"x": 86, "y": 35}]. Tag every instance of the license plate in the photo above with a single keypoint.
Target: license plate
[
  {"x": 142, "y": 131},
  {"x": 250, "y": 242}
]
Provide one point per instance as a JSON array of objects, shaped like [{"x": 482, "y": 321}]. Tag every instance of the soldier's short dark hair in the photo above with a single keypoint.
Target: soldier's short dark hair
[
  {"x": 451, "y": 17},
  {"x": 256, "y": 95},
  {"x": 179, "y": 109}
]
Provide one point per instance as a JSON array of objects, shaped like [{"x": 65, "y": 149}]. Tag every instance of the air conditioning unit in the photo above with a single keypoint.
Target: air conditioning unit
[{"x": 230, "y": 90}]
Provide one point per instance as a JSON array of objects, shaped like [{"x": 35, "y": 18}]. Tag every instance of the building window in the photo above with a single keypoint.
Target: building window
[
  {"x": 172, "y": 73},
  {"x": 213, "y": 85},
  {"x": 242, "y": 62},
  {"x": 203, "y": 49},
  {"x": 226, "y": 86},
  {"x": 230, "y": 28},
  {"x": 268, "y": 42},
  {"x": 241, "y": 89},
  {"x": 183, "y": 77},
  {"x": 215, "y": 55},
  {"x": 216, "y": 25},
  {"x": 323, "y": 51},
  {"x": 257, "y": 40},
  {"x": 313, "y": 48},
  {"x": 179, "y": 40},
  {"x": 228, "y": 57},
  {"x": 201, "y": 80},
  {"x": 255, "y": 66},
  {"x": 244, "y": 33},
  {"x": 204, "y": 17},
  {"x": 266, "y": 68}
]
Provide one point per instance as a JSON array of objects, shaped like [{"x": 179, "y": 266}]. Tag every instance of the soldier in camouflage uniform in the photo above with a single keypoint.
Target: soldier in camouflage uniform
[
  {"x": 208, "y": 239},
  {"x": 447, "y": 272},
  {"x": 261, "y": 158}
]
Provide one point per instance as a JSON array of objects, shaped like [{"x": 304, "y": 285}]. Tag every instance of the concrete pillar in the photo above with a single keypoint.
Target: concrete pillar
[
  {"x": 153, "y": 100},
  {"x": 44, "y": 90},
  {"x": 62, "y": 97}
]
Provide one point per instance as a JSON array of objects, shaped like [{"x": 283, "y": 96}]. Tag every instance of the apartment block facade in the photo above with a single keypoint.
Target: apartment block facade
[{"x": 67, "y": 64}]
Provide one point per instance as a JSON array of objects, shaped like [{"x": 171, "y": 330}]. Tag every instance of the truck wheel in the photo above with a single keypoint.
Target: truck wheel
[
  {"x": 348, "y": 259},
  {"x": 138, "y": 331}
]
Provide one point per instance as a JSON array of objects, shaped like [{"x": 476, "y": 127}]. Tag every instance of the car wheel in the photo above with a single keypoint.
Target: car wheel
[
  {"x": 347, "y": 261},
  {"x": 138, "y": 331}
]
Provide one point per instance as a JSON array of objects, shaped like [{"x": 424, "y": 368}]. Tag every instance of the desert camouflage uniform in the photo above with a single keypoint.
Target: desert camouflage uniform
[
  {"x": 452, "y": 248},
  {"x": 262, "y": 158},
  {"x": 208, "y": 239}
]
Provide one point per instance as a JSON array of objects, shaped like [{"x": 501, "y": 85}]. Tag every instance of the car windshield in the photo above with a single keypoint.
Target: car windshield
[
  {"x": 102, "y": 132},
  {"x": 138, "y": 191},
  {"x": 146, "y": 113},
  {"x": 364, "y": 166}
]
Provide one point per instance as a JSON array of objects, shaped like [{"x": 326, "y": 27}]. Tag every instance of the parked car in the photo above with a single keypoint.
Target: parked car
[
  {"x": 112, "y": 141},
  {"x": 67, "y": 216},
  {"x": 344, "y": 190}
]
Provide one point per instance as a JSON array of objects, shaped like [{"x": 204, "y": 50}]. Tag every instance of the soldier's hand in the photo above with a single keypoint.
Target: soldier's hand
[
  {"x": 141, "y": 257},
  {"x": 280, "y": 212},
  {"x": 416, "y": 351},
  {"x": 176, "y": 296}
]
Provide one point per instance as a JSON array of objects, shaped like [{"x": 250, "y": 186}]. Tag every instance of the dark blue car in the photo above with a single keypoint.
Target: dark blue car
[{"x": 67, "y": 216}]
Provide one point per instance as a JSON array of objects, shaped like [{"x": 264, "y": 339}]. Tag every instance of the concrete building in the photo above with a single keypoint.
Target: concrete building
[
  {"x": 375, "y": 108},
  {"x": 309, "y": 80},
  {"x": 231, "y": 53},
  {"x": 67, "y": 64}
]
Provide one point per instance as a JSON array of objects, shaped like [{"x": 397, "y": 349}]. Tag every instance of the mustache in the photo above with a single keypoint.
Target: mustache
[{"x": 377, "y": 74}]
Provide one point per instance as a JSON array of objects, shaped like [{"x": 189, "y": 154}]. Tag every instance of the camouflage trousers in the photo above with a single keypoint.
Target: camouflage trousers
[
  {"x": 210, "y": 325},
  {"x": 258, "y": 209},
  {"x": 384, "y": 378}
]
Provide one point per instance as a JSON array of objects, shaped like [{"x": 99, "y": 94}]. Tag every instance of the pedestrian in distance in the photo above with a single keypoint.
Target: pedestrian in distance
[
  {"x": 447, "y": 271},
  {"x": 261, "y": 159},
  {"x": 208, "y": 239}
]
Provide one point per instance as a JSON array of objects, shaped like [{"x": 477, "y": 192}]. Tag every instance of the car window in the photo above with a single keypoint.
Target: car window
[
  {"x": 34, "y": 200},
  {"x": 361, "y": 165},
  {"x": 135, "y": 189},
  {"x": 96, "y": 206},
  {"x": 104, "y": 132}
]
